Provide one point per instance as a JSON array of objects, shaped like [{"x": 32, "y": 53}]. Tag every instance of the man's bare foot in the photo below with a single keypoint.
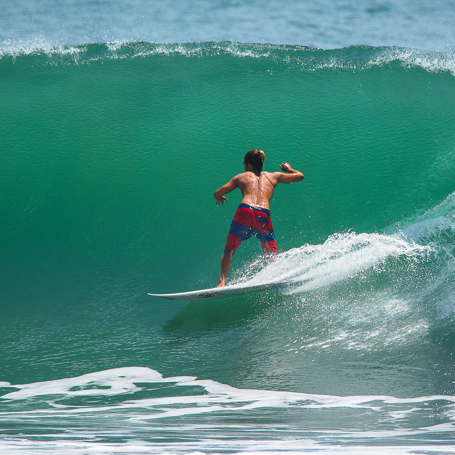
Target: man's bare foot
[{"x": 220, "y": 284}]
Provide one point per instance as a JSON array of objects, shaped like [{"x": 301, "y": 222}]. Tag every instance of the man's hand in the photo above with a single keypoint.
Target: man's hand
[
  {"x": 221, "y": 200},
  {"x": 285, "y": 167}
]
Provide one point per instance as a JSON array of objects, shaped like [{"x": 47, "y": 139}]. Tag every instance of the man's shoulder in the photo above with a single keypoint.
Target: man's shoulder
[
  {"x": 239, "y": 179},
  {"x": 272, "y": 176},
  {"x": 242, "y": 176}
]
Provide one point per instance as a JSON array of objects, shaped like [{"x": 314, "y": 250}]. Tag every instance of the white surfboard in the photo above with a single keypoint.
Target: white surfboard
[{"x": 226, "y": 291}]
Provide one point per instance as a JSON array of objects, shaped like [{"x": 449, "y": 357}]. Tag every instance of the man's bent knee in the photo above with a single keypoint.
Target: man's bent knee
[{"x": 228, "y": 252}]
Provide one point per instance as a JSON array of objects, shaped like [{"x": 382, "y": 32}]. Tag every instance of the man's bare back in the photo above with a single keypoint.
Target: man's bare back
[
  {"x": 257, "y": 187},
  {"x": 256, "y": 190}
]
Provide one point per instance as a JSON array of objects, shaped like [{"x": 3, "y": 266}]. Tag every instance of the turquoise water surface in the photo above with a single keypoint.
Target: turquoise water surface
[{"x": 110, "y": 154}]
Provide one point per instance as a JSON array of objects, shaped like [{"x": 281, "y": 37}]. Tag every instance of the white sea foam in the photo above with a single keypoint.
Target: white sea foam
[
  {"x": 365, "y": 273},
  {"x": 123, "y": 381},
  {"x": 290, "y": 446},
  {"x": 109, "y": 382},
  {"x": 433, "y": 62},
  {"x": 33, "y": 46},
  {"x": 95, "y": 426},
  {"x": 340, "y": 257}
]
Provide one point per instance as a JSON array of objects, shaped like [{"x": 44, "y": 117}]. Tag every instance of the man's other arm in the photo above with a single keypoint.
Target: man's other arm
[
  {"x": 291, "y": 176},
  {"x": 220, "y": 192}
]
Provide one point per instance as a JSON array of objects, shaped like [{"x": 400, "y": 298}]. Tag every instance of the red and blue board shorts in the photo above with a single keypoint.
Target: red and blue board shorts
[{"x": 248, "y": 221}]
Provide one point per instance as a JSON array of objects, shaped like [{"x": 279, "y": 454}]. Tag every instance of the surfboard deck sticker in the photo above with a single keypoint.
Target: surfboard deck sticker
[{"x": 227, "y": 291}]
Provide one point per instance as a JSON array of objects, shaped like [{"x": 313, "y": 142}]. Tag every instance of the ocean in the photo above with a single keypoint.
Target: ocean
[{"x": 118, "y": 122}]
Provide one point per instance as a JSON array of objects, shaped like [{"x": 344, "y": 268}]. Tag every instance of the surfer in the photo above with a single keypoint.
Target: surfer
[{"x": 253, "y": 214}]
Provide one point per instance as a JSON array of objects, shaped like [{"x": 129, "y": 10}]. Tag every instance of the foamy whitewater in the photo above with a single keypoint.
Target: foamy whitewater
[{"x": 118, "y": 122}]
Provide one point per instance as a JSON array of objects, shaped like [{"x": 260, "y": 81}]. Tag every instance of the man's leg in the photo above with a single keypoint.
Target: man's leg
[
  {"x": 265, "y": 234},
  {"x": 237, "y": 233},
  {"x": 269, "y": 249},
  {"x": 226, "y": 261}
]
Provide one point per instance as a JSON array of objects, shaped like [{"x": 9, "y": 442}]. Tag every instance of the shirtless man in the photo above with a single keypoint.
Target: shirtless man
[{"x": 253, "y": 214}]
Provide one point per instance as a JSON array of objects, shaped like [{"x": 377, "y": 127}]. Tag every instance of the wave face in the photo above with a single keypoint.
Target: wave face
[{"x": 110, "y": 157}]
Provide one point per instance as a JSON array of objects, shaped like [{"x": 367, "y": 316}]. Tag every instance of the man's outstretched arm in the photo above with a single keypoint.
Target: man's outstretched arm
[
  {"x": 291, "y": 176},
  {"x": 220, "y": 192}
]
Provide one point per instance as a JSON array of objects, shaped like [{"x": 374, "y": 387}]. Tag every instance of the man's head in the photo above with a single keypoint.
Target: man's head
[{"x": 255, "y": 158}]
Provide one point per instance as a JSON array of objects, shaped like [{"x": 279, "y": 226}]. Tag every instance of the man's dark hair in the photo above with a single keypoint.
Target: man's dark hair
[{"x": 255, "y": 158}]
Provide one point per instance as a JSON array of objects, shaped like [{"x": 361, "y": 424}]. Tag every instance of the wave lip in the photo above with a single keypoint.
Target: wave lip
[{"x": 359, "y": 58}]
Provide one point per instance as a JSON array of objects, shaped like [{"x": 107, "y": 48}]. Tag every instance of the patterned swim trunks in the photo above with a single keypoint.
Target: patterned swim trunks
[{"x": 248, "y": 221}]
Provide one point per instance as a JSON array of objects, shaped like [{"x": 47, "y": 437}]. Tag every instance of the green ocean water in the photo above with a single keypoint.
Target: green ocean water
[{"x": 110, "y": 155}]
